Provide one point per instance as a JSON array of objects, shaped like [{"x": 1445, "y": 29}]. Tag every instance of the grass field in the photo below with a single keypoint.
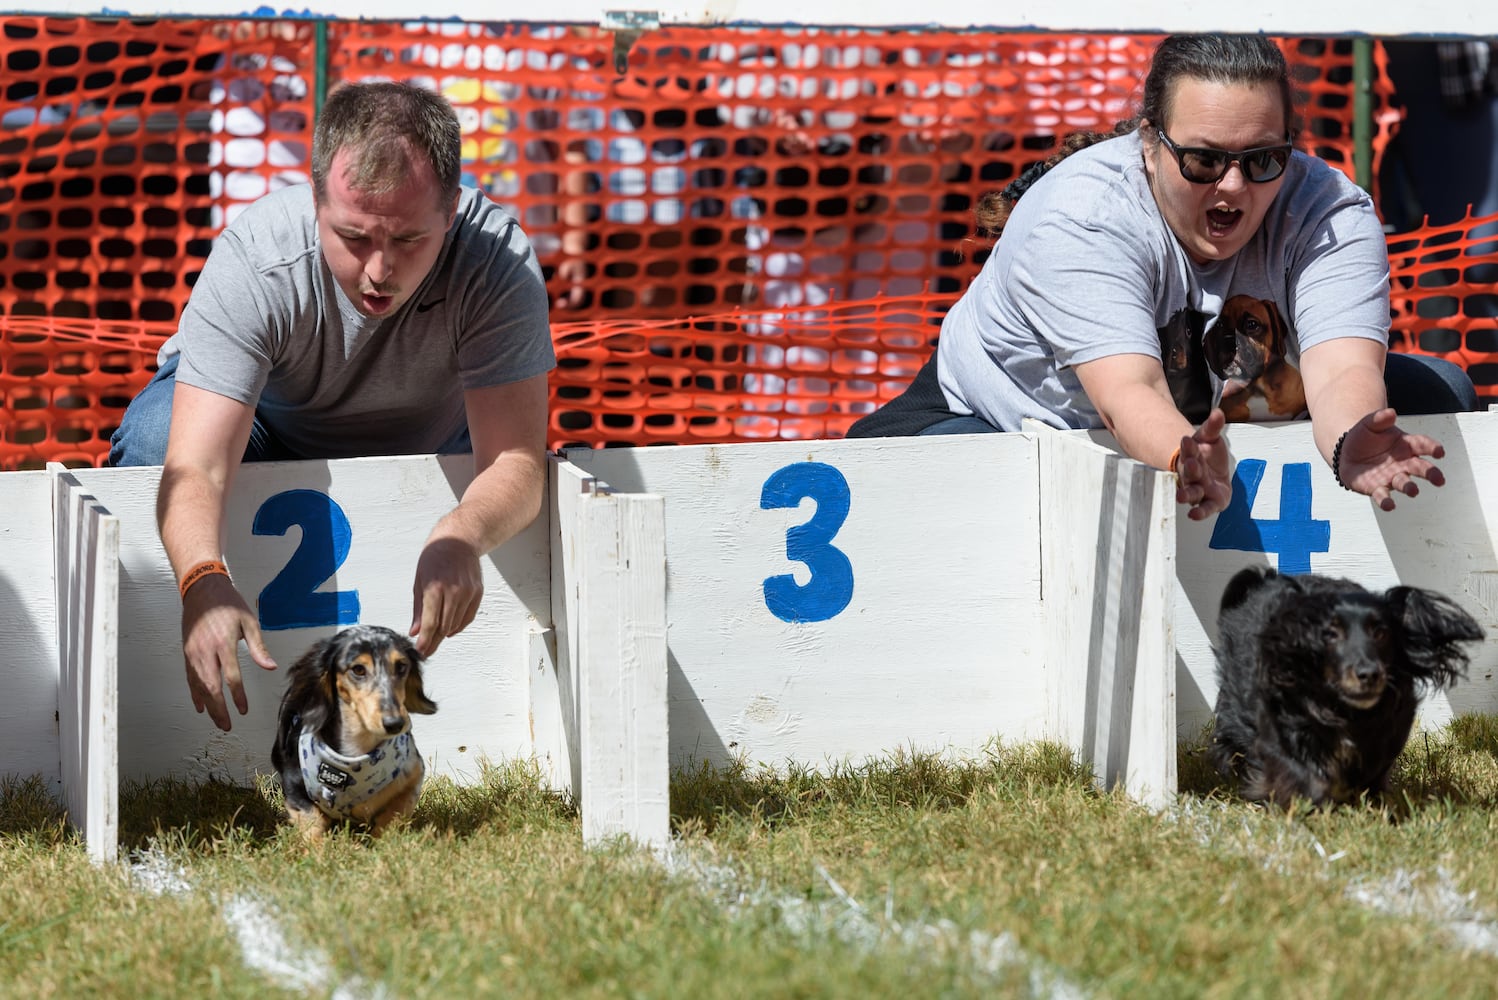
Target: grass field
[{"x": 913, "y": 876}]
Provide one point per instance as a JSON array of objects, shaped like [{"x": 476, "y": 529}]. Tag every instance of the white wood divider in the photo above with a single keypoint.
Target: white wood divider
[
  {"x": 29, "y": 629},
  {"x": 1013, "y": 586},
  {"x": 86, "y": 573},
  {"x": 1293, "y": 516},
  {"x": 621, "y": 644},
  {"x": 609, "y": 604},
  {"x": 1107, "y": 538},
  {"x": 313, "y": 547}
]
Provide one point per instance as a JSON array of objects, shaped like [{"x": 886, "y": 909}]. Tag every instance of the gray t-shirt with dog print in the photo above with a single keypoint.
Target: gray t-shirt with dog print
[
  {"x": 1087, "y": 268},
  {"x": 268, "y": 325}
]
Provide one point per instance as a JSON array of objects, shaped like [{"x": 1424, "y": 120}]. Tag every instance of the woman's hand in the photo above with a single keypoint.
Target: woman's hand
[
  {"x": 1203, "y": 469},
  {"x": 1377, "y": 459}
]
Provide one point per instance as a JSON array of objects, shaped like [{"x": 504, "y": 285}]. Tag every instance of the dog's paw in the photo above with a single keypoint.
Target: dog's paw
[{"x": 310, "y": 824}]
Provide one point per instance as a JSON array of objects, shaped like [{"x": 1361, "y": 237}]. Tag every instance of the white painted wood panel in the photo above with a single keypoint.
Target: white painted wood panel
[
  {"x": 478, "y": 678},
  {"x": 28, "y": 630},
  {"x": 86, "y": 570},
  {"x": 1108, "y": 566},
  {"x": 621, "y": 649},
  {"x": 563, "y": 749},
  {"x": 1441, "y": 539},
  {"x": 939, "y": 645}
]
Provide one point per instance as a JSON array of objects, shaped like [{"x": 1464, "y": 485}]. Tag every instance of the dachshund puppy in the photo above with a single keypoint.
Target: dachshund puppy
[
  {"x": 1185, "y": 364},
  {"x": 343, "y": 744},
  {"x": 1318, "y": 681},
  {"x": 1246, "y": 348}
]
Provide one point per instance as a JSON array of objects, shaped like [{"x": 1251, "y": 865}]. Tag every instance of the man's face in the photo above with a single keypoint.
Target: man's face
[{"x": 380, "y": 247}]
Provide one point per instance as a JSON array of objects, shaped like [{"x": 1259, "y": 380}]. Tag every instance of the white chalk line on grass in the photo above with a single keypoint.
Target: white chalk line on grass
[
  {"x": 1431, "y": 898},
  {"x": 987, "y": 955},
  {"x": 1434, "y": 898},
  {"x": 262, "y": 943}
]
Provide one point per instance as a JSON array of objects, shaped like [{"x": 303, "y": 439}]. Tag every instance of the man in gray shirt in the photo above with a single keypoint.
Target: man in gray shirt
[{"x": 383, "y": 310}]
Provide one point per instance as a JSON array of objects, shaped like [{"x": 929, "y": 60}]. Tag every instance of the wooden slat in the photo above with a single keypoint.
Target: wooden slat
[
  {"x": 86, "y": 573},
  {"x": 1109, "y": 568},
  {"x": 621, "y": 645}
]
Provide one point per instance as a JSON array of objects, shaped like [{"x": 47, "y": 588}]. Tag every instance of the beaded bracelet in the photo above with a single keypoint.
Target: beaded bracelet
[
  {"x": 1337, "y": 462},
  {"x": 212, "y": 567}
]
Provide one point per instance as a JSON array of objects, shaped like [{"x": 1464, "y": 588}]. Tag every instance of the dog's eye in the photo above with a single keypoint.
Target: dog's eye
[
  {"x": 402, "y": 667},
  {"x": 1252, "y": 326},
  {"x": 358, "y": 670}
]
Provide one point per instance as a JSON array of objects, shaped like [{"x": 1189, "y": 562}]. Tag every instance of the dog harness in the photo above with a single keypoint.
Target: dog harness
[{"x": 340, "y": 784}]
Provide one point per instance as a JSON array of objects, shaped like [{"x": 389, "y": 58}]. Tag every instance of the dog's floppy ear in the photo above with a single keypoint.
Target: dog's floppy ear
[
  {"x": 416, "y": 696},
  {"x": 1278, "y": 336},
  {"x": 1220, "y": 344},
  {"x": 309, "y": 689},
  {"x": 416, "y": 699},
  {"x": 1243, "y": 583},
  {"x": 1433, "y": 628}
]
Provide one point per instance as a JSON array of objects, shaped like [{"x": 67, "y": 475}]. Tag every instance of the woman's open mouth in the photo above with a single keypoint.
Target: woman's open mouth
[{"x": 1222, "y": 221}]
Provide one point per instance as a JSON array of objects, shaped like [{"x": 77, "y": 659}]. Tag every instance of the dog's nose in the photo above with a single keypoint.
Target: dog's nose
[
  {"x": 393, "y": 723},
  {"x": 1368, "y": 671}
]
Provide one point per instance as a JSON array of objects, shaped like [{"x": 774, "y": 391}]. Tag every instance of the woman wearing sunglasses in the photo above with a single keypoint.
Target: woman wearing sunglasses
[{"x": 1199, "y": 200}]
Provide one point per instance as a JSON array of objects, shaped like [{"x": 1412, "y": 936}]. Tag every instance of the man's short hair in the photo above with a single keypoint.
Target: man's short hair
[{"x": 383, "y": 126}]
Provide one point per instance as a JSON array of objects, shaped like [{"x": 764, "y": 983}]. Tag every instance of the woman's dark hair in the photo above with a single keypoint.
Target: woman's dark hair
[
  {"x": 384, "y": 126},
  {"x": 1226, "y": 59}
]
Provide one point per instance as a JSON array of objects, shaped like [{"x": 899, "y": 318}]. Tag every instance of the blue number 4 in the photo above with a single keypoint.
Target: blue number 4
[{"x": 1293, "y": 537}]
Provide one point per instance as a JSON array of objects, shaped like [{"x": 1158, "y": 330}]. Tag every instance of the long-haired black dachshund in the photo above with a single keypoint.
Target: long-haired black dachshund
[
  {"x": 1318, "y": 681},
  {"x": 343, "y": 746}
]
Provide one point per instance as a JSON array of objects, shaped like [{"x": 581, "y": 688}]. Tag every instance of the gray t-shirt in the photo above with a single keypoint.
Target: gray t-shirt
[
  {"x": 1087, "y": 268},
  {"x": 267, "y": 325}
]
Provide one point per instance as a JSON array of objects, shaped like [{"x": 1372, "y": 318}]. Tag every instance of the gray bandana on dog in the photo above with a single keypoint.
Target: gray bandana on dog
[{"x": 339, "y": 784}]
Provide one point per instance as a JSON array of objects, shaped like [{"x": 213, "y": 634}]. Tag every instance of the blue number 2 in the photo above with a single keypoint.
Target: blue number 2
[
  {"x": 1293, "y": 537},
  {"x": 830, "y": 588},
  {"x": 292, "y": 600}
]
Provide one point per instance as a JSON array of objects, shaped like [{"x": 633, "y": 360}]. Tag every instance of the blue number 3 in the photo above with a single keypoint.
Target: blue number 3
[
  {"x": 292, "y": 600},
  {"x": 830, "y": 588}
]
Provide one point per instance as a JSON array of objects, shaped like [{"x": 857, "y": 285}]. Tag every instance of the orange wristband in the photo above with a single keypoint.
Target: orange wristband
[
  {"x": 1175, "y": 457},
  {"x": 210, "y": 568}
]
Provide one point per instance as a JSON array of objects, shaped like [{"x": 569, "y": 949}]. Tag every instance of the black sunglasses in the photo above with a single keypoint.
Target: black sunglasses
[{"x": 1260, "y": 165}]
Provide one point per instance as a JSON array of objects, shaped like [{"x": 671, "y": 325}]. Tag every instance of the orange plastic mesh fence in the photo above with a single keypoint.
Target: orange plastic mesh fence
[
  {"x": 773, "y": 168},
  {"x": 744, "y": 375},
  {"x": 122, "y": 144},
  {"x": 747, "y": 235},
  {"x": 1444, "y": 292}
]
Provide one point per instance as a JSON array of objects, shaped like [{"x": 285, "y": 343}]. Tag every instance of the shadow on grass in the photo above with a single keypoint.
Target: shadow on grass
[
  {"x": 507, "y": 794},
  {"x": 704, "y": 797},
  {"x": 1195, "y": 773},
  {"x": 29, "y": 812},
  {"x": 199, "y": 814},
  {"x": 1454, "y": 767}
]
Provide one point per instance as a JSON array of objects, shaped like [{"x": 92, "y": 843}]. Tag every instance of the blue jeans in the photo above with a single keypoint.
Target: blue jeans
[
  {"x": 1415, "y": 383},
  {"x": 141, "y": 437}
]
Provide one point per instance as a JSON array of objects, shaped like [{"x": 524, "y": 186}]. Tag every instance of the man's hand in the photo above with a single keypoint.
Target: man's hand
[
  {"x": 1378, "y": 459},
  {"x": 1204, "y": 470},
  {"x": 449, "y": 586},
  {"x": 214, "y": 619}
]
